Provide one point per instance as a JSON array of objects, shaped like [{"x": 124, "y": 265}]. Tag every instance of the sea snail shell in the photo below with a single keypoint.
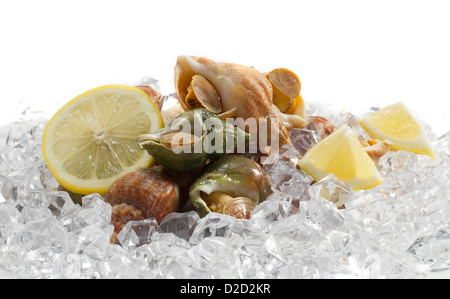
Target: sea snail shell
[
  {"x": 240, "y": 88},
  {"x": 153, "y": 191},
  {"x": 232, "y": 184},
  {"x": 244, "y": 92}
]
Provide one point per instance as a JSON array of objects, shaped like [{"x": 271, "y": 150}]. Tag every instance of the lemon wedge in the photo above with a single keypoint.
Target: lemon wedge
[
  {"x": 92, "y": 140},
  {"x": 398, "y": 125},
  {"x": 341, "y": 154}
]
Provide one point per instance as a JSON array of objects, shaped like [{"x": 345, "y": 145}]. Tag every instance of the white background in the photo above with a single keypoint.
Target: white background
[{"x": 351, "y": 54}]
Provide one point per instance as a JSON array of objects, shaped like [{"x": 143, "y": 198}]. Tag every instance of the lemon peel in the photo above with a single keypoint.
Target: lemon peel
[
  {"x": 92, "y": 140},
  {"x": 397, "y": 124}
]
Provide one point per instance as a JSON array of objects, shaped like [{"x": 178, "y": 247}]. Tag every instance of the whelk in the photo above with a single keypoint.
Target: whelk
[
  {"x": 232, "y": 184},
  {"x": 145, "y": 193},
  {"x": 243, "y": 92},
  {"x": 191, "y": 139}
]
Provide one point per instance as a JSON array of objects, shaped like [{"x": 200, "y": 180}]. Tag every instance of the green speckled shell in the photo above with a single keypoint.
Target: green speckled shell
[
  {"x": 192, "y": 159},
  {"x": 235, "y": 175}
]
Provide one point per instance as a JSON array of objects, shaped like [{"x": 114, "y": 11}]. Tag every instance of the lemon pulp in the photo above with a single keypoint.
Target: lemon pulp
[
  {"x": 341, "y": 154},
  {"x": 398, "y": 125},
  {"x": 92, "y": 140}
]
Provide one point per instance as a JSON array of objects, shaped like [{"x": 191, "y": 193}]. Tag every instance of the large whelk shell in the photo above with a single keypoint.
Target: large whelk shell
[
  {"x": 153, "y": 191},
  {"x": 239, "y": 87},
  {"x": 244, "y": 91}
]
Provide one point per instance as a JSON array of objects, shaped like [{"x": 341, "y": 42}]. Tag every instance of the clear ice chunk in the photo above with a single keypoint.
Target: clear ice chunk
[
  {"x": 349, "y": 119},
  {"x": 331, "y": 189},
  {"x": 433, "y": 250},
  {"x": 303, "y": 139},
  {"x": 399, "y": 229},
  {"x": 288, "y": 179},
  {"x": 153, "y": 83},
  {"x": 180, "y": 224},
  {"x": 212, "y": 225},
  {"x": 265, "y": 214},
  {"x": 8, "y": 214},
  {"x": 75, "y": 266},
  {"x": 137, "y": 233},
  {"x": 205, "y": 256},
  {"x": 61, "y": 205},
  {"x": 92, "y": 240},
  {"x": 321, "y": 213}
]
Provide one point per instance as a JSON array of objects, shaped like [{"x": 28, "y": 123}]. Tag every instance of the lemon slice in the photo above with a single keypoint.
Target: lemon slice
[
  {"x": 398, "y": 125},
  {"x": 341, "y": 154},
  {"x": 92, "y": 140}
]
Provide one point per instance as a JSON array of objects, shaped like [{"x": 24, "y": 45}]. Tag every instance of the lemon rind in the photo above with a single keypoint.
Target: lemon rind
[
  {"x": 419, "y": 145},
  {"x": 82, "y": 188}
]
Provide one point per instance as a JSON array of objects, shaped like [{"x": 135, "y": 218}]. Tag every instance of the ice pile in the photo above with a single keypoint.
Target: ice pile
[{"x": 400, "y": 229}]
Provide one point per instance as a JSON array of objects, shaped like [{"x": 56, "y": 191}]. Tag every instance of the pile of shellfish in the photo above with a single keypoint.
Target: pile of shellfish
[{"x": 215, "y": 178}]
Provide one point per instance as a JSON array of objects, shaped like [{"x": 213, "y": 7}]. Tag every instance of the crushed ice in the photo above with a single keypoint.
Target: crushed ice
[{"x": 399, "y": 229}]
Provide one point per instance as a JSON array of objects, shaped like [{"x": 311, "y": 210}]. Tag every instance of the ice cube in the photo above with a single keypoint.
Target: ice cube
[
  {"x": 303, "y": 139},
  {"x": 137, "y": 233},
  {"x": 180, "y": 224},
  {"x": 213, "y": 224},
  {"x": 75, "y": 266},
  {"x": 398, "y": 229},
  {"x": 265, "y": 214},
  {"x": 322, "y": 214},
  {"x": 288, "y": 179},
  {"x": 433, "y": 249},
  {"x": 93, "y": 240},
  {"x": 61, "y": 205},
  {"x": 215, "y": 256},
  {"x": 8, "y": 214},
  {"x": 93, "y": 212},
  {"x": 331, "y": 189}
]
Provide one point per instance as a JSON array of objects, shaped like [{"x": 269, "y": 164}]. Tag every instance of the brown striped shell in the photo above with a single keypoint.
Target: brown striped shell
[
  {"x": 244, "y": 92},
  {"x": 153, "y": 191},
  {"x": 239, "y": 87}
]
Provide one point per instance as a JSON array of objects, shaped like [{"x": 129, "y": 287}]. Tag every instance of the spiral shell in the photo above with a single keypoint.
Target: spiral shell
[
  {"x": 239, "y": 87},
  {"x": 153, "y": 191},
  {"x": 239, "y": 207},
  {"x": 244, "y": 92},
  {"x": 231, "y": 185}
]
